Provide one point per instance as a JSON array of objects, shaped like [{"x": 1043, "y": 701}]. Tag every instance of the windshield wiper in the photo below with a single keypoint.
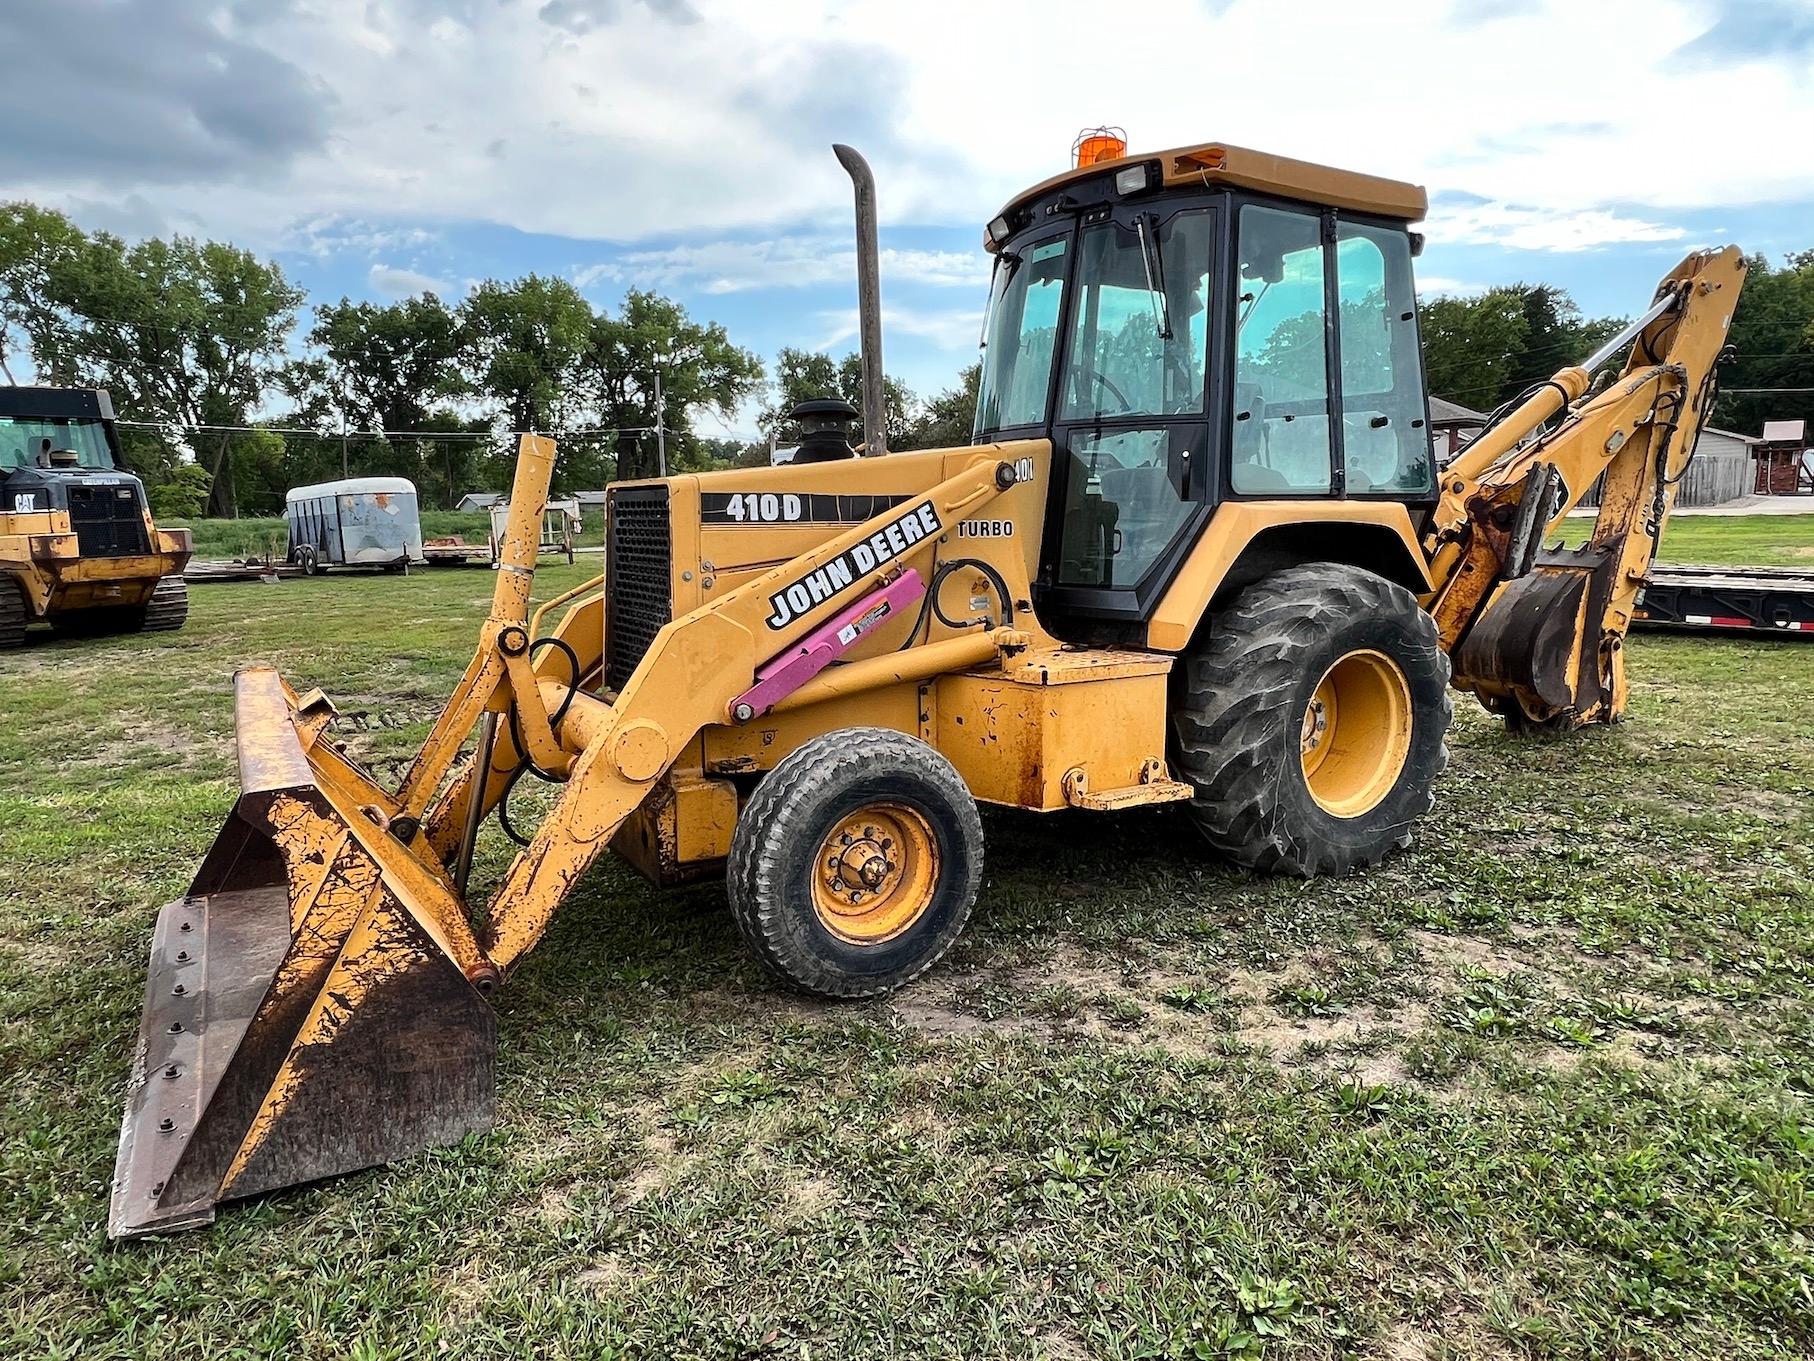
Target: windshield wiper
[{"x": 1154, "y": 266}]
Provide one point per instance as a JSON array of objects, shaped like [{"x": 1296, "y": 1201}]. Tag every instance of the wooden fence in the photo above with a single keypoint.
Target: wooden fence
[{"x": 1713, "y": 478}]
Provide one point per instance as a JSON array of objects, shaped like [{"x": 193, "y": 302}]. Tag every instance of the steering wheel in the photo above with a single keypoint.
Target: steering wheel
[{"x": 1117, "y": 393}]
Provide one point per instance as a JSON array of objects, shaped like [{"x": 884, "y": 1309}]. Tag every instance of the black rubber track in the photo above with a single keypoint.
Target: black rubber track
[
  {"x": 13, "y": 615},
  {"x": 1238, "y": 709},
  {"x": 774, "y": 853},
  {"x": 168, "y": 607}
]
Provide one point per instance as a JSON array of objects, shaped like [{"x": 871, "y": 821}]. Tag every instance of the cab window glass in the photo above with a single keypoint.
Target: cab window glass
[
  {"x": 29, "y": 443},
  {"x": 1021, "y": 336},
  {"x": 1141, "y": 338},
  {"x": 1385, "y": 439},
  {"x": 1280, "y": 443},
  {"x": 1123, "y": 501}
]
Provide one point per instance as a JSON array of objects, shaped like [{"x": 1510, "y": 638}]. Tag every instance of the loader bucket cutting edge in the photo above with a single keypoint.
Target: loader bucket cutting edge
[{"x": 300, "y": 1019}]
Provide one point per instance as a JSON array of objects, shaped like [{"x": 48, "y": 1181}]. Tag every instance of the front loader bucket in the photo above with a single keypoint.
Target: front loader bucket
[{"x": 306, "y": 1012}]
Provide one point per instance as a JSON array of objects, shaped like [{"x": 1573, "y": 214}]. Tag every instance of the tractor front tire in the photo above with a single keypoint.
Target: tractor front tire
[
  {"x": 14, "y": 615},
  {"x": 1311, "y": 717},
  {"x": 855, "y": 864}
]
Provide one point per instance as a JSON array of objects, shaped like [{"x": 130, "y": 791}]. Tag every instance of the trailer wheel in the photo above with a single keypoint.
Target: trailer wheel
[
  {"x": 1311, "y": 718},
  {"x": 308, "y": 560},
  {"x": 14, "y": 615},
  {"x": 855, "y": 864}
]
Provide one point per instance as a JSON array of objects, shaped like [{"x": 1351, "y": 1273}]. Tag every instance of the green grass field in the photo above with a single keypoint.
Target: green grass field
[
  {"x": 1541, "y": 1087},
  {"x": 1753, "y": 540}
]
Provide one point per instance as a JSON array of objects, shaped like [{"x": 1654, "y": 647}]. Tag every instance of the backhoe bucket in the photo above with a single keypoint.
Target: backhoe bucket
[
  {"x": 1537, "y": 644},
  {"x": 312, "y": 1005}
]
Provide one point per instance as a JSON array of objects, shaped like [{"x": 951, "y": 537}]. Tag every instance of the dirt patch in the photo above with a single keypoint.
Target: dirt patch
[
  {"x": 667, "y": 1165},
  {"x": 1403, "y": 1342},
  {"x": 809, "y": 1195},
  {"x": 605, "y": 1275},
  {"x": 1449, "y": 953}
]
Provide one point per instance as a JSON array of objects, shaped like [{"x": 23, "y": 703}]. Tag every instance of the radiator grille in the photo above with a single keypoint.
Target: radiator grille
[
  {"x": 107, "y": 521},
  {"x": 638, "y": 575}
]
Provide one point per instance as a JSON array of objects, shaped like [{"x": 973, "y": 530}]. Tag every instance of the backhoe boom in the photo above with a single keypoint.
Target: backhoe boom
[{"x": 1539, "y": 633}]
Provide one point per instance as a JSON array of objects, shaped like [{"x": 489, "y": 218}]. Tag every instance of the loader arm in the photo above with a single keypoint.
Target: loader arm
[
  {"x": 316, "y": 1001},
  {"x": 1539, "y": 633}
]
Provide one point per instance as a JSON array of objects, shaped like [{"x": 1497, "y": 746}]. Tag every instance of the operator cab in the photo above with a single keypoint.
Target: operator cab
[
  {"x": 59, "y": 451},
  {"x": 1202, "y": 325}
]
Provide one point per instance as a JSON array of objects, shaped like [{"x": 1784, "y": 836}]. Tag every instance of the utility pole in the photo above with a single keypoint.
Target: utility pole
[
  {"x": 343, "y": 471},
  {"x": 661, "y": 433}
]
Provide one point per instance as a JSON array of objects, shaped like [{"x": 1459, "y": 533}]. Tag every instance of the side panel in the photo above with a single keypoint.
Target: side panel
[
  {"x": 1014, "y": 741},
  {"x": 1238, "y": 524}
]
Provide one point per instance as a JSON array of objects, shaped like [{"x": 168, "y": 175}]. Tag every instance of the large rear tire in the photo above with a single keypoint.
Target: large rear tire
[
  {"x": 855, "y": 864},
  {"x": 1311, "y": 717}
]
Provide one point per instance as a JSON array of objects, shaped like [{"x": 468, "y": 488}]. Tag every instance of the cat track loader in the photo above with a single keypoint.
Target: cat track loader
[
  {"x": 78, "y": 549},
  {"x": 1198, "y": 552}
]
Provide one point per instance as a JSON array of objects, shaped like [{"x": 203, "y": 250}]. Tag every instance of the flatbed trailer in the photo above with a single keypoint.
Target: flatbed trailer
[
  {"x": 1750, "y": 599},
  {"x": 214, "y": 570}
]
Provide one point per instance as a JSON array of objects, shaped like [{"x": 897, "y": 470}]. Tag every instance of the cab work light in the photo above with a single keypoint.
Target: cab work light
[{"x": 1137, "y": 179}]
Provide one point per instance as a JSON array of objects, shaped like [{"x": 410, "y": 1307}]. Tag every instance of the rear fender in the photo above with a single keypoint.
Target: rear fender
[{"x": 1246, "y": 540}]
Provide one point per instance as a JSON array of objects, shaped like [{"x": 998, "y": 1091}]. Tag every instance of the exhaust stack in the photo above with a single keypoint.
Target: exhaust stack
[{"x": 869, "y": 299}]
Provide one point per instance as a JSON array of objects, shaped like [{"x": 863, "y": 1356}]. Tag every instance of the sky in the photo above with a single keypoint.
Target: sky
[{"x": 377, "y": 148}]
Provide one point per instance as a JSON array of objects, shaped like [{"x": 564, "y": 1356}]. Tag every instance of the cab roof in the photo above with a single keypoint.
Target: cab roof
[{"x": 1219, "y": 163}]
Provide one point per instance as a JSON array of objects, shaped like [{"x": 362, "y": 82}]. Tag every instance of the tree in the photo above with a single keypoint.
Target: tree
[
  {"x": 1485, "y": 350},
  {"x": 527, "y": 340},
  {"x": 35, "y": 245},
  {"x": 183, "y": 495},
  {"x": 389, "y": 368},
  {"x": 182, "y": 331},
  {"x": 1773, "y": 337},
  {"x": 949, "y": 419},
  {"x": 699, "y": 367},
  {"x": 1471, "y": 344},
  {"x": 804, "y": 374}
]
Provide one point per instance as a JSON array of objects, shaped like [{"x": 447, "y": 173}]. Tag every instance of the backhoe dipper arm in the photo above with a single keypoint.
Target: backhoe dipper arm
[{"x": 1544, "y": 630}]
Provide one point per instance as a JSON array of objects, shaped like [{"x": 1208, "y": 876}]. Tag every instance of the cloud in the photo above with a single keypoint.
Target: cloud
[
  {"x": 1436, "y": 285},
  {"x": 582, "y": 16},
  {"x": 331, "y": 235},
  {"x": 405, "y": 283},
  {"x": 618, "y": 122},
  {"x": 1522, "y": 228},
  {"x": 786, "y": 262},
  {"x": 144, "y": 93},
  {"x": 954, "y": 329},
  {"x": 1777, "y": 30}
]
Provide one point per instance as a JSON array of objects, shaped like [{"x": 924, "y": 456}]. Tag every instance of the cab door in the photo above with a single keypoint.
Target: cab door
[{"x": 1130, "y": 426}]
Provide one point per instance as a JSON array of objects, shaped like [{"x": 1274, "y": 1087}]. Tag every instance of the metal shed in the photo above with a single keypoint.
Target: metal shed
[{"x": 359, "y": 522}]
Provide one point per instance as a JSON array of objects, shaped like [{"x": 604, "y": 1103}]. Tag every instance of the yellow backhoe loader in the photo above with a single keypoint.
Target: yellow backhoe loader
[{"x": 1198, "y": 551}]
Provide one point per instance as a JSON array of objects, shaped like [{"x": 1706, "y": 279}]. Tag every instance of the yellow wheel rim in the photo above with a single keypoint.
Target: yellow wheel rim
[
  {"x": 1357, "y": 733},
  {"x": 875, "y": 873}
]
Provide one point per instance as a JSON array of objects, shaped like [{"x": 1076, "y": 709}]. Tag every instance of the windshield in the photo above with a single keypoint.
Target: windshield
[
  {"x": 1021, "y": 336},
  {"x": 29, "y": 443},
  {"x": 1141, "y": 330}
]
